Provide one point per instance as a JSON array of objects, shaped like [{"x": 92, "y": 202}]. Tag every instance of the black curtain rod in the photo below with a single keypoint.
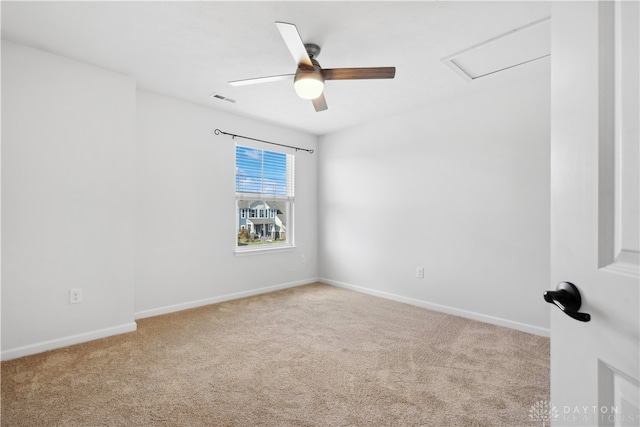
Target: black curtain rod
[{"x": 233, "y": 135}]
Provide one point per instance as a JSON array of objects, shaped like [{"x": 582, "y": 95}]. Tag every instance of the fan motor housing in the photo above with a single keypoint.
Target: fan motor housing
[
  {"x": 313, "y": 50},
  {"x": 305, "y": 72}
]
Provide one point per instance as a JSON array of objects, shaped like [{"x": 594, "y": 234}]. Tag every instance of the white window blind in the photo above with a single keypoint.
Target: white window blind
[{"x": 262, "y": 174}]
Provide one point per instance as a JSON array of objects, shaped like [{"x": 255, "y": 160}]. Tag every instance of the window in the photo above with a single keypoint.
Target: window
[{"x": 264, "y": 198}]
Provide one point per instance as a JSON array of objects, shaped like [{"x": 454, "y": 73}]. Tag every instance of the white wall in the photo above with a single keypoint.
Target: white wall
[
  {"x": 461, "y": 189},
  {"x": 68, "y": 142},
  {"x": 185, "y": 235},
  {"x": 127, "y": 195}
]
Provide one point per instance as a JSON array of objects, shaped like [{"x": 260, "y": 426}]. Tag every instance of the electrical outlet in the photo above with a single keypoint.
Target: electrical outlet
[
  {"x": 75, "y": 296},
  {"x": 420, "y": 272}
]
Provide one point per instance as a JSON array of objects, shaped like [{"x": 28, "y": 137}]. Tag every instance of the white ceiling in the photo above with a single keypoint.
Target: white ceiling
[{"x": 190, "y": 50}]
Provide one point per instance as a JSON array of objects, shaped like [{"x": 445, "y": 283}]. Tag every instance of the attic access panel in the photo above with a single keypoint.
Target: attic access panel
[{"x": 517, "y": 47}]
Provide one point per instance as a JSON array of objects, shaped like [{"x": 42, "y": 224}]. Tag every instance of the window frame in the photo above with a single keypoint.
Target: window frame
[{"x": 265, "y": 206}]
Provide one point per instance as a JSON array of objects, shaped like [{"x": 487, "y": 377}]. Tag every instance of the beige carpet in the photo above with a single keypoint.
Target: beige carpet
[{"x": 314, "y": 355}]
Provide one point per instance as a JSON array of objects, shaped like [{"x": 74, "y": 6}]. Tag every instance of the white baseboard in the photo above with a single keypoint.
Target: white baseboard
[
  {"x": 67, "y": 341},
  {"x": 130, "y": 327},
  {"x": 213, "y": 300},
  {"x": 536, "y": 330}
]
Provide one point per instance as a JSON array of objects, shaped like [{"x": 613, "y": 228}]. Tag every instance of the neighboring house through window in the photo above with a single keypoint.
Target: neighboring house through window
[{"x": 264, "y": 198}]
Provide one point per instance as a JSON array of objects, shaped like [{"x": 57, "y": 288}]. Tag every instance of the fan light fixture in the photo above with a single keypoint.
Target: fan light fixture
[{"x": 308, "y": 84}]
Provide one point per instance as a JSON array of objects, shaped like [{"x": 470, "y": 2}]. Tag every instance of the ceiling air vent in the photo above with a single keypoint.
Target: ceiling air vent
[
  {"x": 517, "y": 47},
  {"x": 222, "y": 98}
]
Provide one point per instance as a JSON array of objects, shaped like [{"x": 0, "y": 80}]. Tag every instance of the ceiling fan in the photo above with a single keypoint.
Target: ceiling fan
[{"x": 309, "y": 78}]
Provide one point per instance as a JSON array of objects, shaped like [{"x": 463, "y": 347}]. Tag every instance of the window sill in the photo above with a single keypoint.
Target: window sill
[{"x": 263, "y": 251}]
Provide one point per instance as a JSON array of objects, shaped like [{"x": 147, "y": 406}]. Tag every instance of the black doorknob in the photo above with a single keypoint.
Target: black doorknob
[{"x": 567, "y": 298}]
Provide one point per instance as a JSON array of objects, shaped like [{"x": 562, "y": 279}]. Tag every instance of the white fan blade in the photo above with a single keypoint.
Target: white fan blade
[
  {"x": 294, "y": 43},
  {"x": 257, "y": 80}
]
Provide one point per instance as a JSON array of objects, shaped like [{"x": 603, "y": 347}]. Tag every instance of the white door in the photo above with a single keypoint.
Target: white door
[{"x": 594, "y": 211}]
